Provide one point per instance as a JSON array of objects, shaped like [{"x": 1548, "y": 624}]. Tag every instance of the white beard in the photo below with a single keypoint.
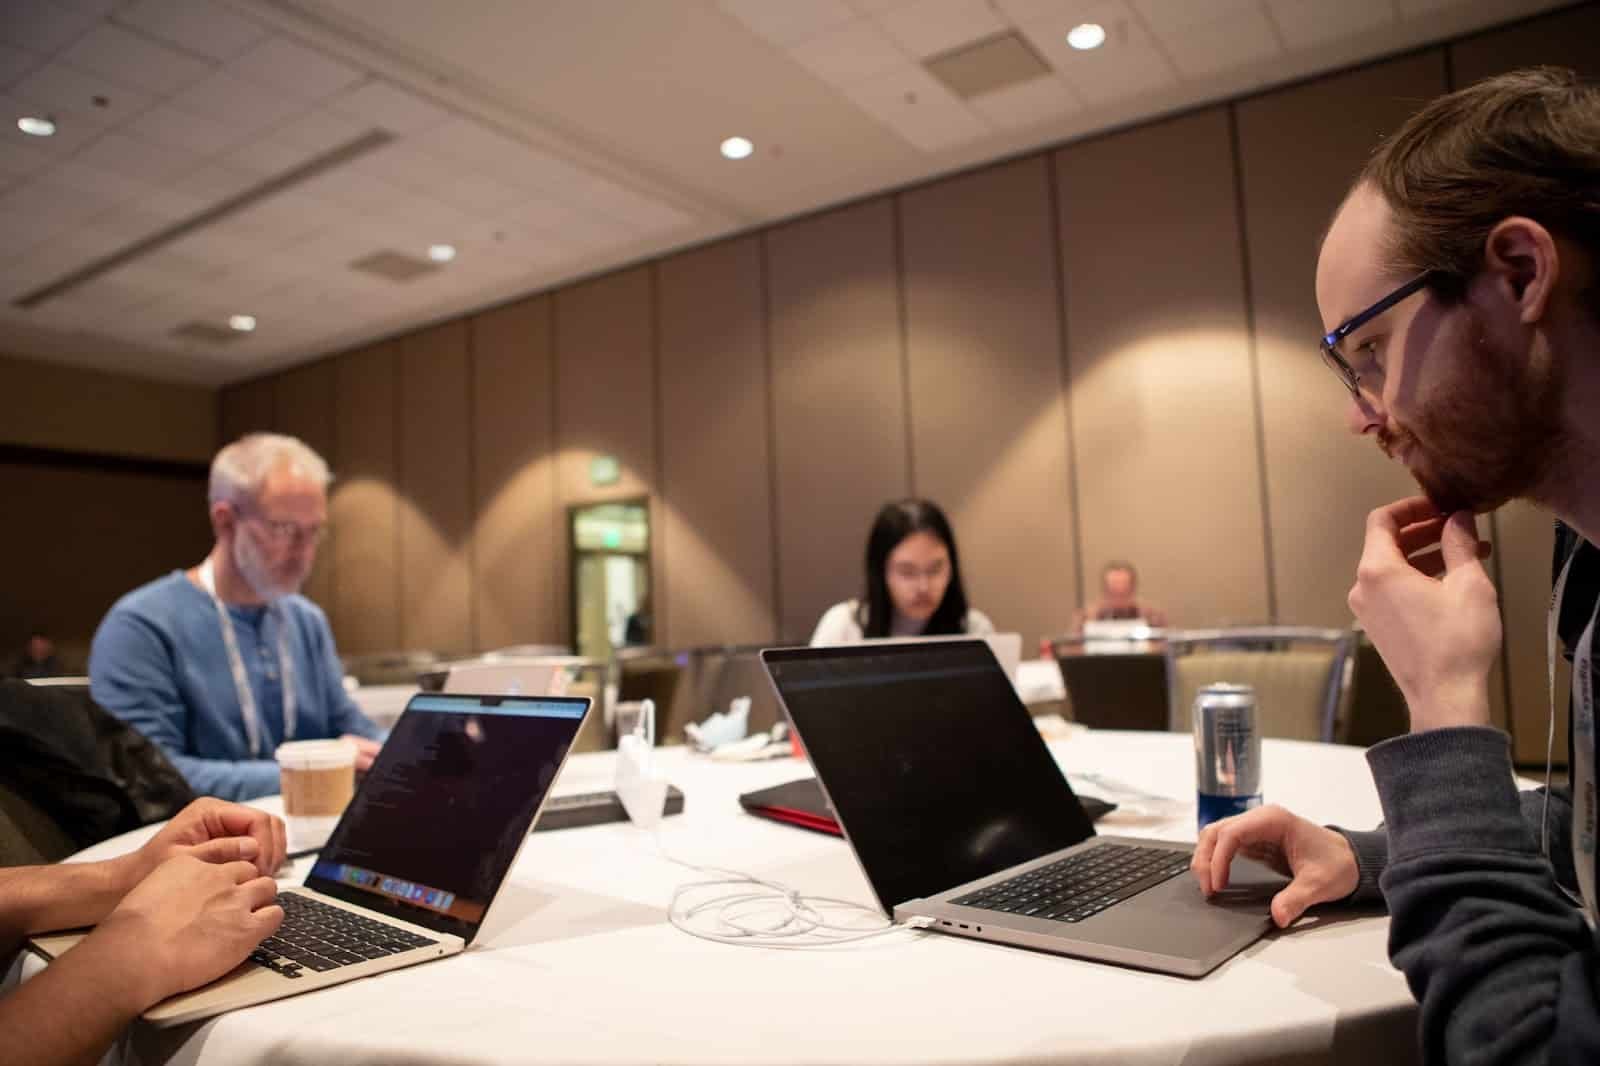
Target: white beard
[{"x": 253, "y": 568}]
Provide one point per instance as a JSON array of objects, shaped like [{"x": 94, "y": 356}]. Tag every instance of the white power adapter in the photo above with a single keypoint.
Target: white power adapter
[{"x": 640, "y": 785}]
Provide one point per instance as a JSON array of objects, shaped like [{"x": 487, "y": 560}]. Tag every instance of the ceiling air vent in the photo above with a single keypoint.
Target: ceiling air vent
[
  {"x": 996, "y": 62},
  {"x": 394, "y": 266},
  {"x": 207, "y": 333}
]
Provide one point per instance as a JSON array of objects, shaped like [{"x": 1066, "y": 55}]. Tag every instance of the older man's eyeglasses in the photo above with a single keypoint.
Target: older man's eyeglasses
[
  {"x": 284, "y": 532},
  {"x": 1331, "y": 341}
]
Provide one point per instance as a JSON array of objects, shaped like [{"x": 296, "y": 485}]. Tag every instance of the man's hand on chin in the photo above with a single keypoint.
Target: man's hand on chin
[{"x": 1431, "y": 610}]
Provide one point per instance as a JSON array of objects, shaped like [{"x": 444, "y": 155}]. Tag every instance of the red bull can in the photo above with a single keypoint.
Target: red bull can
[{"x": 1227, "y": 751}]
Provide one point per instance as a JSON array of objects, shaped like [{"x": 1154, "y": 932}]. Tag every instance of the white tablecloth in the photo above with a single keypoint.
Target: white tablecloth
[{"x": 577, "y": 964}]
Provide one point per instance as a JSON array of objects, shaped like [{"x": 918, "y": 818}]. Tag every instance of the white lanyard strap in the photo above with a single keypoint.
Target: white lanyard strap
[
  {"x": 241, "y": 680},
  {"x": 1582, "y": 756}
]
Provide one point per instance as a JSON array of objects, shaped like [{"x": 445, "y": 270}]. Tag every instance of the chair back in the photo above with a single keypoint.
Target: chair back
[
  {"x": 1122, "y": 687},
  {"x": 1374, "y": 708},
  {"x": 1298, "y": 673}
]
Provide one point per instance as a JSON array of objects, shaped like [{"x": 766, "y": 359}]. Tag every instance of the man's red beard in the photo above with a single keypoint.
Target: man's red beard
[{"x": 1492, "y": 435}]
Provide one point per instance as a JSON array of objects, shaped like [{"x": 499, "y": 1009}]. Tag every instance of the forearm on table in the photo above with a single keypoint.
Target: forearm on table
[
  {"x": 1502, "y": 964},
  {"x": 73, "y": 1011},
  {"x": 238, "y": 781},
  {"x": 36, "y": 899}
]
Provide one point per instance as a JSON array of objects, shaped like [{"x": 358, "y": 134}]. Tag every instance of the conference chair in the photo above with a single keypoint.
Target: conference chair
[
  {"x": 1298, "y": 673},
  {"x": 1374, "y": 710}
]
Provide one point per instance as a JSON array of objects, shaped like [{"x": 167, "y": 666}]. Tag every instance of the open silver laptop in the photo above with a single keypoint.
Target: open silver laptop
[
  {"x": 960, "y": 817},
  {"x": 411, "y": 869},
  {"x": 507, "y": 678}
]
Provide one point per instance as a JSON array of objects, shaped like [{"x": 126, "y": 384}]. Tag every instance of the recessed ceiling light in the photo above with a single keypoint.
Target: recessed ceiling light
[
  {"x": 441, "y": 253},
  {"x": 242, "y": 323},
  {"x": 35, "y": 126},
  {"x": 1086, "y": 35},
  {"x": 737, "y": 148}
]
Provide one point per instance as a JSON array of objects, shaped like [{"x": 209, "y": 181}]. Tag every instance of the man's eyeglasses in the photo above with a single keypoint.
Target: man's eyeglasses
[
  {"x": 284, "y": 532},
  {"x": 1331, "y": 341}
]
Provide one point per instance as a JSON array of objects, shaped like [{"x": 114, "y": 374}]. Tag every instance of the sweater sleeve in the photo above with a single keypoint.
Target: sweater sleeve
[
  {"x": 1503, "y": 966},
  {"x": 132, "y": 675}
]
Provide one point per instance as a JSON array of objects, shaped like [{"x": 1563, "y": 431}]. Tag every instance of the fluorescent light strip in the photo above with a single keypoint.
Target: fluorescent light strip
[{"x": 367, "y": 142}]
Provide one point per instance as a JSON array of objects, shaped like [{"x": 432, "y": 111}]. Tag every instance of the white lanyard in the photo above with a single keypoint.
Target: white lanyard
[
  {"x": 1584, "y": 815},
  {"x": 241, "y": 680}
]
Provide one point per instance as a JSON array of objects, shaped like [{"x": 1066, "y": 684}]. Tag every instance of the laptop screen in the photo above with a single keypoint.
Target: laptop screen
[
  {"x": 932, "y": 764},
  {"x": 438, "y": 820}
]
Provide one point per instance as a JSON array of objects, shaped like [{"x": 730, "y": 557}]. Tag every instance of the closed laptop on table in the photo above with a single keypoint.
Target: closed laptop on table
[
  {"x": 410, "y": 871},
  {"x": 961, "y": 819}
]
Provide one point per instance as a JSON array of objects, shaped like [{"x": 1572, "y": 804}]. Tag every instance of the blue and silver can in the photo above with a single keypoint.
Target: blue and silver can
[{"x": 1227, "y": 751}]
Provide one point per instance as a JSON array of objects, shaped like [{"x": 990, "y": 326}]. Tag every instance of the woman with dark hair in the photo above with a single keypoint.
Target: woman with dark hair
[{"x": 913, "y": 582}]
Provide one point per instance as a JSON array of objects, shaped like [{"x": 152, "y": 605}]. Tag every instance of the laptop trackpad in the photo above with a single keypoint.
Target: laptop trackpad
[{"x": 1174, "y": 918}]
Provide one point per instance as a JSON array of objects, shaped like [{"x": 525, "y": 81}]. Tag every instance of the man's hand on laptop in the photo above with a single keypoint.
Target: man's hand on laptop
[
  {"x": 189, "y": 922},
  {"x": 1319, "y": 861},
  {"x": 215, "y": 831},
  {"x": 366, "y": 751}
]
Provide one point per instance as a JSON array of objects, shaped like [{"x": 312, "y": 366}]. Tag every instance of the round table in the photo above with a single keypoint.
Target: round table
[{"x": 576, "y": 962}]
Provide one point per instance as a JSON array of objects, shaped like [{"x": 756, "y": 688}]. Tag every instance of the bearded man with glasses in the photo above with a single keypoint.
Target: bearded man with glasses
[
  {"x": 221, "y": 663},
  {"x": 1460, "y": 285}
]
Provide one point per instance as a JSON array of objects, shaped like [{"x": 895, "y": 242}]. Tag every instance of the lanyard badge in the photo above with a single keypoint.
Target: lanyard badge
[{"x": 241, "y": 680}]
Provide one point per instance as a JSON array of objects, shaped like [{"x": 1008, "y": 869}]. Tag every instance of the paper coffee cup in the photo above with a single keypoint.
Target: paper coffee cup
[{"x": 317, "y": 777}]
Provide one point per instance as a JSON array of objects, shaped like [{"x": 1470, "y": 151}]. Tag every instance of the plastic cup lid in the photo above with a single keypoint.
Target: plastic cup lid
[{"x": 315, "y": 754}]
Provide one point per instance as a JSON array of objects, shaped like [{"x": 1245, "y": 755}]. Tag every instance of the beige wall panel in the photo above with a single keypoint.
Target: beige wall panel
[
  {"x": 1300, "y": 149},
  {"x": 365, "y": 507},
  {"x": 840, "y": 434},
  {"x": 1163, "y": 416},
  {"x": 1568, "y": 38},
  {"x": 108, "y": 531},
  {"x": 988, "y": 419},
  {"x": 248, "y": 408},
  {"x": 605, "y": 402},
  {"x": 91, "y": 411},
  {"x": 435, "y": 412},
  {"x": 1524, "y": 542},
  {"x": 715, "y": 543},
  {"x": 304, "y": 400},
  {"x": 514, "y": 539}
]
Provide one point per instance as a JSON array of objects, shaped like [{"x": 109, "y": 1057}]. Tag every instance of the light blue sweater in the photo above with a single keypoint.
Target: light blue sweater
[{"x": 159, "y": 663}]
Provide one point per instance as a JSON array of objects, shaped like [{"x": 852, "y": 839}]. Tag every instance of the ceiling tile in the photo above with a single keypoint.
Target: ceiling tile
[
  {"x": 930, "y": 27},
  {"x": 1204, "y": 49},
  {"x": 239, "y": 103},
  {"x": 784, "y": 22},
  {"x": 1027, "y": 104},
  {"x": 14, "y": 63},
  {"x": 129, "y": 224},
  {"x": 19, "y": 159},
  {"x": 294, "y": 68},
  {"x": 918, "y": 109},
  {"x": 49, "y": 199},
  {"x": 644, "y": 213},
  {"x": 168, "y": 125},
  {"x": 268, "y": 156},
  {"x": 353, "y": 191},
  {"x": 89, "y": 98},
  {"x": 385, "y": 105},
  {"x": 40, "y": 26},
  {"x": 93, "y": 8},
  {"x": 135, "y": 61},
  {"x": 216, "y": 181},
  {"x": 203, "y": 27},
  {"x": 114, "y": 188},
  {"x": 319, "y": 131},
  {"x": 1162, "y": 16},
  {"x": 849, "y": 53},
  {"x": 136, "y": 159},
  {"x": 479, "y": 195},
  {"x": 24, "y": 228},
  {"x": 469, "y": 143},
  {"x": 1309, "y": 23}
]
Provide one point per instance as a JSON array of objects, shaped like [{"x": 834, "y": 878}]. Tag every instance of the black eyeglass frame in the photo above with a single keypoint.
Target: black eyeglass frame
[{"x": 1331, "y": 341}]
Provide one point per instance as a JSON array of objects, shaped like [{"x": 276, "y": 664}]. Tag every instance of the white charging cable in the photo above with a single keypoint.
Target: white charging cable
[{"x": 737, "y": 908}]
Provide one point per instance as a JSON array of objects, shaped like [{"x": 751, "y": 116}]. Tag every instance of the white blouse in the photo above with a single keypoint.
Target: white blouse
[{"x": 840, "y": 625}]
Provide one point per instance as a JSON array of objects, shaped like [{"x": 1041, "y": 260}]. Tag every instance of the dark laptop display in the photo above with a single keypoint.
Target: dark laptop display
[
  {"x": 969, "y": 794},
  {"x": 438, "y": 821}
]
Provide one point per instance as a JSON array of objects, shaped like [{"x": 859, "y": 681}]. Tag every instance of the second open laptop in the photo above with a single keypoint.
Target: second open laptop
[
  {"x": 961, "y": 820},
  {"x": 410, "y": 870}
]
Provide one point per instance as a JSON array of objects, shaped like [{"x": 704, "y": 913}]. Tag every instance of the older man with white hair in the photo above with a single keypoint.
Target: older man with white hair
[{"x": 221, "y": 663}]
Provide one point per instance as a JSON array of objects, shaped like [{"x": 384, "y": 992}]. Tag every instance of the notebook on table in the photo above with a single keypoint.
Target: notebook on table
[
  {"x": 801, "y": 803},
  {"x": 411, "y": 869},
  {"x": 962, "y": 821}
]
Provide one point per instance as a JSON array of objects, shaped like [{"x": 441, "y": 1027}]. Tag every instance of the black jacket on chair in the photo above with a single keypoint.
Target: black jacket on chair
[{"x": 87, "y": 770}]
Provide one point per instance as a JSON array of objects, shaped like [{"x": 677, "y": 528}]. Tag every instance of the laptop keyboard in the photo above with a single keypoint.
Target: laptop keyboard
[
  {"x": 1081, "y": 885},
  {"x": 316, "y": 936}
]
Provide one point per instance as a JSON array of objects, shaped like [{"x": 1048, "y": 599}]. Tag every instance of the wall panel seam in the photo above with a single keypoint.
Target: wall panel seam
[
  {"x": 903, "y": 312},
  {"x": 1064, "y": 356},
  {"x": 1252, "y": 348},
  {"x": 471, "y": 376},
  {"x": 775, "y": 554},
  {"x": 657, "y": 504}
]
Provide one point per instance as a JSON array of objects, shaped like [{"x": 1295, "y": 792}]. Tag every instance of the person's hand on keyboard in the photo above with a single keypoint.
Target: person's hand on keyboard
[
  {"x": 1319, "y": 860},
  {"x": 188, "y": 923},
  {"x": 215, "y": 831}
]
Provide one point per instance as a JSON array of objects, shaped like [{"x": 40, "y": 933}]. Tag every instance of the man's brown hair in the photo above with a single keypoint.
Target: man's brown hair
[{"x": 1525, "y": 143}]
